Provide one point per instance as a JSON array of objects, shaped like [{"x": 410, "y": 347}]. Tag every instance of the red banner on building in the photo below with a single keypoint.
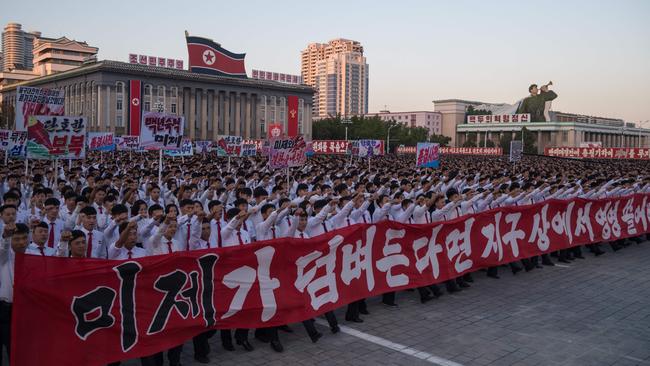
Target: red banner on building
[
  {"x": 330, "y": 146},
  {"x": 471, "y": 150},
  {"x": 102, "y": 311},
  {"x": 598, "y": 152},
  {"x": 135, "y": 107},
  {"x": 292, "y": 117}
]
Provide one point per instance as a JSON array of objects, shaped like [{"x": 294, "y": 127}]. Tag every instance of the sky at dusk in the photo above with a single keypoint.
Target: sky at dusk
[{"x": 597, "y": 53}]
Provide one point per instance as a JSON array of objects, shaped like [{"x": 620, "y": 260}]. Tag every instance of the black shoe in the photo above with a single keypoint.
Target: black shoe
[
  {"x": 529, "y": 268},
  {"x": 495, "y": 276},
  {"x": 277, "y": 346},
  {"x": 436, "y": 291},
  {"x": 426, "y": 299},
  {"x": 516, "y": 269},
  {"x": 175, "y": 364},
  {"x": 390, "y": 304},
  {"x": 202, "y": 359},
  {"x": 468, "y": 278},
  {"x": 246, "y": 344},
  {"x": 548, "y": 263},
  {"x": 364, "y": 311},
  {"x": 538, "y": 266},
  {"x": 599, "y": 253},
  {"x": 285, "y": 328},
  {"x": 335, "y": 329},
  {"x": 464, "y": 284},
  {"x": 580, "y": 256},
  {"x": 315, "y": 337},
  {"x": 563, "y": 260},
  {"x": 354, "y": 320},
  {"x": 228, "y": 347}
]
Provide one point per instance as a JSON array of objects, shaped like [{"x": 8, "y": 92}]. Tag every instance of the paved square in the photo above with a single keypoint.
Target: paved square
[{"x": 591, "y": 312}]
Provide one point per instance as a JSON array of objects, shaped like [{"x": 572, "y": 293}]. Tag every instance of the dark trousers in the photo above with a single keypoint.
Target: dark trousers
[
  {"x": 354, "y": 308},
  {"x": 310, "y": 327},
  {"x": 267, "y": 334},
  {"x": 240, "y": 335},
  {"x": 201, "y": 345},
  {"x": 331, "y": 319},
  {"x": 173, "y": 355},
  {"x": 5, "y": 328}
]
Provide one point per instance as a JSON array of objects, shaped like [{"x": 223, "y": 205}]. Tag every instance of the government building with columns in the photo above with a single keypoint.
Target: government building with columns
[
  {"x": 211, "y": 105},
  {"x": 563, "y": 129}
]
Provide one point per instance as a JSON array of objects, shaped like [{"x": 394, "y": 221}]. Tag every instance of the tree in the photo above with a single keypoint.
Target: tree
[
  {"x": 440, "y": 139},
  {"x": 469, "y": 143},
  {"x": 369, "y": 128},
  {"x": 530, "y": 142}
]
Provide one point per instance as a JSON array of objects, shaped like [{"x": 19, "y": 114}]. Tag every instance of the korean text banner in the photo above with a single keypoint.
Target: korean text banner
[
  {"x": 368, "y": 148},
  {"x": 123, "y": 309},
  {"x": 60, "y": 137},
  {"x": 37, "y": 102},
  {"x": 229, "y": 145},
  {"x": 187, "y": 149},
  {"x": 14, "y": 143},
  {"x": 598, "y": 152},
  {"x": 161, "y": 131},
  {"x": 427, "y": 155},
  {"x": 127, "y": 142},
  {"x": 203, "y": 146},
  {"x": 287, "y": 152},
  {"x": 102, "y": 141},
  {"x": 248, "y": 149},
  {"x": 330, "y": 146}
]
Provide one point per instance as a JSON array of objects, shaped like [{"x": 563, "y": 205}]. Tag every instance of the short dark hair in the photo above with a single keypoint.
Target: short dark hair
[
  {"x": 89, "y": 210},
  {"x": 232, "y": 213},
  {"x": 21, "y": 229},
  {"x": 52, "y": 202},
  {"x": 119, "y": 209},
  {"x": 530, "y": 88}
]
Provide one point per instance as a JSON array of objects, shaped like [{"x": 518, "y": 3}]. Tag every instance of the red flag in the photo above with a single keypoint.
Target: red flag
[
  {"x": 292, "y": 106},
  {"x": 208, "y": 57},
  {"x": 135, "y": 101}
]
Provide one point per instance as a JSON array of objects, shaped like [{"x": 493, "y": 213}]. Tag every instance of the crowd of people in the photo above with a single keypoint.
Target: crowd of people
[{"x": 117, "y": 208}]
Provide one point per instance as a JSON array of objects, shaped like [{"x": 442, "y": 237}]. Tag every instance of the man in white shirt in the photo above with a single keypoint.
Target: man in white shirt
[
  {"x": 14, "y": 240},
  {"x": 233, "y": 235},
  {"x": 95, "y": 246},
  {"x": 317, "y": 224},
  {"x": 124, "y": 247},
  {"x": 51, "y": 217},
  {"x": 39, "y": 237}
]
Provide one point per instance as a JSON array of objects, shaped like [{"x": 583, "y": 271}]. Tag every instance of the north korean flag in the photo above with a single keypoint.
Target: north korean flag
[{"x": 208, "y": 57}]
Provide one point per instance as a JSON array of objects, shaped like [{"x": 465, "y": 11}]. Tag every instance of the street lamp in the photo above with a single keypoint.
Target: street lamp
[
  {"x": 346, "y": 121},
  {"x": 388, "y": 139}
]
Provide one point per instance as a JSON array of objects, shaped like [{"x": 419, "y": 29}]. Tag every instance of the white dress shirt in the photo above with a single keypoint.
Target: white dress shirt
[
  {"x": 98, "y": 249},
  {"x": 7, "y": 257},
  {"x": 158, "y": 244},
  {"x": 123, "y": 253},
  {"x": 35, "y": 249},
  {"x": 230, "y": 234}
]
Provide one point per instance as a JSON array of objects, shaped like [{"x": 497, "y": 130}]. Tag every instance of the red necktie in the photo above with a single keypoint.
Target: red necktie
[
  {"x": 241, "y": 242},
  {"x": 188, "y": 236},
  {"x": 101, "y": 210},
  {"x": 288, "y": 221},
  {"x": 50, "y": 239},
  {"x": 129, "y": 254},
  {"x": 302, "y": 235},
  {"x": 364, "y": 219},
  {"x": 324, "y": 227},
  {"x": 428, "y": 216},
  {"x": 348, "y": 220},
  {"x": 169, "y": 246},
  {"x": 219, "y": 243},
  {"x": 89, "y": 249},
  {"x": 273, "y": 231},
  {"x": 245, "y": 228},
  {"x": 42, "y": 251}
]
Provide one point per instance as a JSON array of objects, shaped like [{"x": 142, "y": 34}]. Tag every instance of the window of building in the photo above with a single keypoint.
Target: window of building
[
  {"x": 283, "y": 110},
  {"x": 119, "y": 93},
  {"x": 263, "y": 115},
  {"x": 119, "y": 122},
  {"x": 160, "y": 96},
  {"x": 146, "y": 106},
  {"x": 565, "y": 136},
  {"x": 174, "y": 99},
  {"x": 272, "y": 108}
]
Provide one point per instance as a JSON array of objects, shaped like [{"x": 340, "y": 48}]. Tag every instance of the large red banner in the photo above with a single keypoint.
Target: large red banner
[
  {"x": 135, "y": 106},
  {"x": 101, "y": 311},
  {"x": 292, "y": 120},
  {"x": 598, "y": 152}
]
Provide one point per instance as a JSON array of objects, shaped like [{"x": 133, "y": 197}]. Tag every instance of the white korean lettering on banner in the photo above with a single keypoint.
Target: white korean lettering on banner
[{"x": 161, "y": 131}]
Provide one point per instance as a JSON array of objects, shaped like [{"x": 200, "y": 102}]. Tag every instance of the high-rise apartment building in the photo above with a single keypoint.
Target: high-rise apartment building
[
  {"x": 339, "y": 73},
  {"x": 17, "y": 47}
]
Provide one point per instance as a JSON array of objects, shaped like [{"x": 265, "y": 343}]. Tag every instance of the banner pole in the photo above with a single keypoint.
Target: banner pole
[
  {"x": 69, "y": 165},
  {"x": 228, "y": 163},
  {"x": 6, "y": 156},
  {"x": 288, "y": 178},
  {"x": 160, "y": 167},
  {"x": 26, "y": 166}
]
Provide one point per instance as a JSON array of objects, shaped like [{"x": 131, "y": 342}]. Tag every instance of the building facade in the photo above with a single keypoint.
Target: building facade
[
  {"x": 28, "y": 55},
  {"x": 211, "y": 105},
  {"x": 339, "y": 73},
  {"x": 432, "y": 121},
  {"x": 563, "y": 129},
  {"x": 17, "y": 47}
]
